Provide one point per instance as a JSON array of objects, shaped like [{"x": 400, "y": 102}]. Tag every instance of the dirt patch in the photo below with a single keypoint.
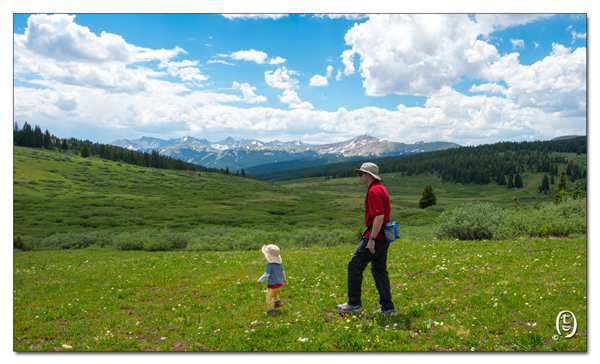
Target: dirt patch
[
  {"x": 420, "y": 274},
  {"x": 440, "y": 311},
  {"x": 178, "y": 346},
  {"x": 467, "y": 288},
  {"x": 254, "y": 324},
  {"x": 204, "y": 347},
  {"x": 526, "y": 325}
]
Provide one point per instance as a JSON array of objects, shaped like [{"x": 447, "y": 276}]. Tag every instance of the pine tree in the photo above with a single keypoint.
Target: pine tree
[
  {"x": 48, "y": 141},
  {"x": 577, "y": 193},
  {"x": 38, "y": 137},
  {"x": 428, "y": 198},
  {"x": 545, "y": 185},
  {"x": 85, "y": 151},
  {"x": 16, "y": 134},
  {"x": 501, "y": 180},
  {"x": 516, "y": 205},
  {"x": 511, "y": 184},
  {"x": 243, "y": 173},
  {"x": 561, "y": 189},
  {"x": 64, "y": 145},
  {"x": 518, "y": 181},
  {"x": 551, "y": 179}
]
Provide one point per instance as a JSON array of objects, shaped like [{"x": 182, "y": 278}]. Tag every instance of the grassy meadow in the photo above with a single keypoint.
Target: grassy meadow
[{"x": 450, "y": 295}]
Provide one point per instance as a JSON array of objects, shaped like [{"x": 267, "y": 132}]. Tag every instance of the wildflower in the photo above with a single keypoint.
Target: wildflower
[{"x": 67, "y": 346}]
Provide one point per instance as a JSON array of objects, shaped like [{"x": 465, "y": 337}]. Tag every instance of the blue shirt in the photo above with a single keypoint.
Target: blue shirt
[{"x": 274, "y": 272}]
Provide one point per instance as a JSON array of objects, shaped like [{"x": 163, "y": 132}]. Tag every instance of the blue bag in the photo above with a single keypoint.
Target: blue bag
[{"x": 390, "y": 230}]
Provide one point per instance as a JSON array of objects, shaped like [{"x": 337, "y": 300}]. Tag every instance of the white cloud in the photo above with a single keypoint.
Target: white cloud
[
  {"x": 280, "y": 78},
  {"x": 248, "y": 91},
  {"x": 557, "y": 83},
  {"x": 346, "y": 57},
  {"x": 184, "y": 70},
  {"x": 518, "y": 43},
  {"x": 578, "y": 35},
  {"x": 318, "y": 80},
  {"x": 489, "y": 87},
  {"x": 253, "y": 56},
  {"x": 423, "y": 54},
  {"x": 255, "y": 16},
  {"x": 56, "y": 49},
  {"x": 345, "y": 16},
  {"x": 276, "y": 60},
  {"x": 291, "y": 98},
  {"x": 221, "y": 61}
]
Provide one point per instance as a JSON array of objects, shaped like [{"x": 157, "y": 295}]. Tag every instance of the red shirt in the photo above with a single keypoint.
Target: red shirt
[{"x": 377, "y": 203}]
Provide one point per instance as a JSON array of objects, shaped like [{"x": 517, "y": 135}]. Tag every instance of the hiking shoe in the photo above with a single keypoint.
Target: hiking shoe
[
  {"x": 270, "y": 312},
  {"x": 390, "y": 312},
  {"x": 345, "y": 307},
  {"x": 278, "y": 304}
]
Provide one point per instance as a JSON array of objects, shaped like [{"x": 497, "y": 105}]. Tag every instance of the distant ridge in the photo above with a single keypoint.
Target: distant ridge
[
  {"x": 246, "y": 153},
  {"x": 567, "y": 137}
]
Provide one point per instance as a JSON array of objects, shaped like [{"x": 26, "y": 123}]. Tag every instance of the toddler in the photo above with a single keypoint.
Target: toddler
[{"x": 276, "y": 276}]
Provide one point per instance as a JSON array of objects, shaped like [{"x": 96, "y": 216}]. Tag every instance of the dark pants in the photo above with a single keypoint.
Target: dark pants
[{"x": 357, "y": 264}]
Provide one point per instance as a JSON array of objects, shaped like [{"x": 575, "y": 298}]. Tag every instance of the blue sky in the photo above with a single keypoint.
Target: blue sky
[{"x": 470, "y": 79}]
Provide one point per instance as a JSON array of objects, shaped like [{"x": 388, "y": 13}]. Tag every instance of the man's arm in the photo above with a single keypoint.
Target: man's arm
[{"x": 377, "y": 223}]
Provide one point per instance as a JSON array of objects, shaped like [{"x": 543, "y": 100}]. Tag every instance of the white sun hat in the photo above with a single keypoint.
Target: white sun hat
[{"x": 271, "y": 253}]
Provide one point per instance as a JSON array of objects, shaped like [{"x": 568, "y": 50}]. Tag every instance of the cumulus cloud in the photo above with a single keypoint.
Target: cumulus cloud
[
  {"x": 248, "y": 91},
  {"x": 577, "y": 36},
  {"x": 557, "y": 83},
  {"x": 281, "y": 78},
  {"x": 347, "y": 59},
  {"x": 55, "y": 48},
  {"x": 184, "y": 70},
  {"x": 318, "y": 80},
  {"x": 345, "y": 16},
  {"x": 220, "y": 61},
  {"x": 518, "y": 43},
  {"x": 255, "y": 16},
  {"x": 424, "y": 54},
  {"x": 291, "y": 98},
  {"x": 489, "y": 87},
  {"x": 253, "y": 56}
]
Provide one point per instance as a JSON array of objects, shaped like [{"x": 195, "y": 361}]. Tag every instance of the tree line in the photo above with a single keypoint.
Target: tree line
[
  {"x": 32, "y": 137},
  {"x": 501, "y": 162}
]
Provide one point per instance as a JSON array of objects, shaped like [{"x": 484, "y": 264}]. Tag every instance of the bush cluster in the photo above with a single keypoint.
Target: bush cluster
[
  {"x": 477, "y": 220},
  {"x": 202, "y": 239}
]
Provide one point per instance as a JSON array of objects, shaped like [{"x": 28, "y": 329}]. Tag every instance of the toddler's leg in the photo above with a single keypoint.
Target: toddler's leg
[{"x": 271, "y": 294}]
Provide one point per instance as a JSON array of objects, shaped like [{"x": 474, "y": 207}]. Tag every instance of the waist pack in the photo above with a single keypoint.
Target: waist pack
[{"x": 390, "y": 230}]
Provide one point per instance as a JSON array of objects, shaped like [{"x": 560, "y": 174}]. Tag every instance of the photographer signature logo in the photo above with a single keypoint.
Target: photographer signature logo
[{"x": 565, "y": 322}]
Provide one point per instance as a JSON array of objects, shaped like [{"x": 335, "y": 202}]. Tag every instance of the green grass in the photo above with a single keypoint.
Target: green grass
[
  {"x": 58, "y": 193},
  {"x": 449, "y": 295}
]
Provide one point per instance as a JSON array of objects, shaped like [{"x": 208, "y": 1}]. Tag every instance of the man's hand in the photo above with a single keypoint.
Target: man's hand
[
  {"x": 258, "y": 281},
  {"x": 285, "y": 282},
  {"x": 371, "y": 246}
]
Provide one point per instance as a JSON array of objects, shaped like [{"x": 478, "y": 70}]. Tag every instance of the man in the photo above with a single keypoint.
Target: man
[{"x": 373, "y": 247}]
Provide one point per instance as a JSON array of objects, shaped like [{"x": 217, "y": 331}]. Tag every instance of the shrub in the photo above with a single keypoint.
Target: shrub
[
  {"x": 18, "y": 243},
  {"x": 129, "y": 241},
  {"x": 470, "y": 221},
  {"x": 563, "y": 219},
  {"x": 72, "y": 240}
]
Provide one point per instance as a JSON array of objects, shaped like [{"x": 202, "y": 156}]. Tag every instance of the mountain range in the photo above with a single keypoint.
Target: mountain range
[{"x": 247, "y": 153}]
